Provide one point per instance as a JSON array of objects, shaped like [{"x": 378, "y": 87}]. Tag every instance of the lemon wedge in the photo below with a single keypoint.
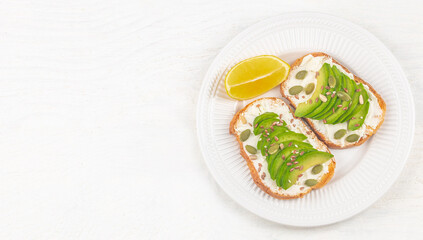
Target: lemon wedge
[{"x": 255, "y": 76}]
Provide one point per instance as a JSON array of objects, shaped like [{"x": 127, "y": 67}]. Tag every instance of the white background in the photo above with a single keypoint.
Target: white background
[{"x": 97, "y": 123}]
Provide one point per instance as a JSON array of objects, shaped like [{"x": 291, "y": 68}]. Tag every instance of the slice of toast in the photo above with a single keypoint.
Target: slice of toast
[
  {"x": 312, "y": 63},
  {"x": 257, "y": 163}
]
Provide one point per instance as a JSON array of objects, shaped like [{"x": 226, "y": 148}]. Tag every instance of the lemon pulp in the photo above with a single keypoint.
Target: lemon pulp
[{"x": 255, "y": 76}]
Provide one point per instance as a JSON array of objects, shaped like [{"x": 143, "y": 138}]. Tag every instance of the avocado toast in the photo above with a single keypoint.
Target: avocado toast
[
  {"x": 341, "y": 108},
  {"x": 285, "y": 158}
]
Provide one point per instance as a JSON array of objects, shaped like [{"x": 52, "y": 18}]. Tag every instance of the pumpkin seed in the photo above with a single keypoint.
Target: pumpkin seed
[
  {"x": 317, "y": 169},
  {"x": 309, "y": 88},
  {"x": 253, "y": 157},
  {"x": 273, "y": 149},
  {"x": 323, "y": 98},
  {"x": 245, "y": 135},
  {"x": 311, "y": 182},
  {"x": 295, "y": 90},
  {"x": 301, "y": 75},
  {"x": 251, "y": 149},
  {"x": 360, "y": 99},
  {"x": 332, "y": 81},
  {"x": 243, "y": 120},
  {"x": 343, "y": 96},
  {"x": 352, "y": 138},
  {"x": 340, "y": 133}
]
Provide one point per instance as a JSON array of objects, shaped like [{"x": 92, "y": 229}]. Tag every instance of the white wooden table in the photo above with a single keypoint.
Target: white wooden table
[{"x": 97, "y": 126}]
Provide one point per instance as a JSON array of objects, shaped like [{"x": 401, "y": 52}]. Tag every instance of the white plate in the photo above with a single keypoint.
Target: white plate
[{"x": 364, "y": 173}]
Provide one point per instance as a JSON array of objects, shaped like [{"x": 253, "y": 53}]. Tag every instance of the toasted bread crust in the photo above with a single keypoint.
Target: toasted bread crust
[
  {"x": 370, "y": 131},
  {"x": 256, "y": 177}
]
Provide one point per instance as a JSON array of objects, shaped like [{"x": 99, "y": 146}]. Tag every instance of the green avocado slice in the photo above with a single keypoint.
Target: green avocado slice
[
  {"x": 306, "y": 161},
  {"x": 358, "y": 119},
  {"x": 263, "y": 139},
  {"x": 323, "y": 105},
  {"x": 264, "y": 116},
  {"x": 354, "y": 104},
  {"x": 338, "y": 101},
  {"x": 281, "y": 155},
  {"x": 279, "y": 159},
  {"x": 305, "y": 108},
  {"x": 272, "y": 157},
  {"x": 345, "y": 104},
  {"x": 277, "y": 130},
  {"x": 287, "y": 144},
  {"x": 292, "y": 158},
  {"x": 283, "y": 137},
  {"x": 365, "y": 95},
  {"x": 276, "y": 162},
  {"x": 265, "y": 124},
  {"x": 331, "y": 100},
  {"x": 336, "y": 72}
]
